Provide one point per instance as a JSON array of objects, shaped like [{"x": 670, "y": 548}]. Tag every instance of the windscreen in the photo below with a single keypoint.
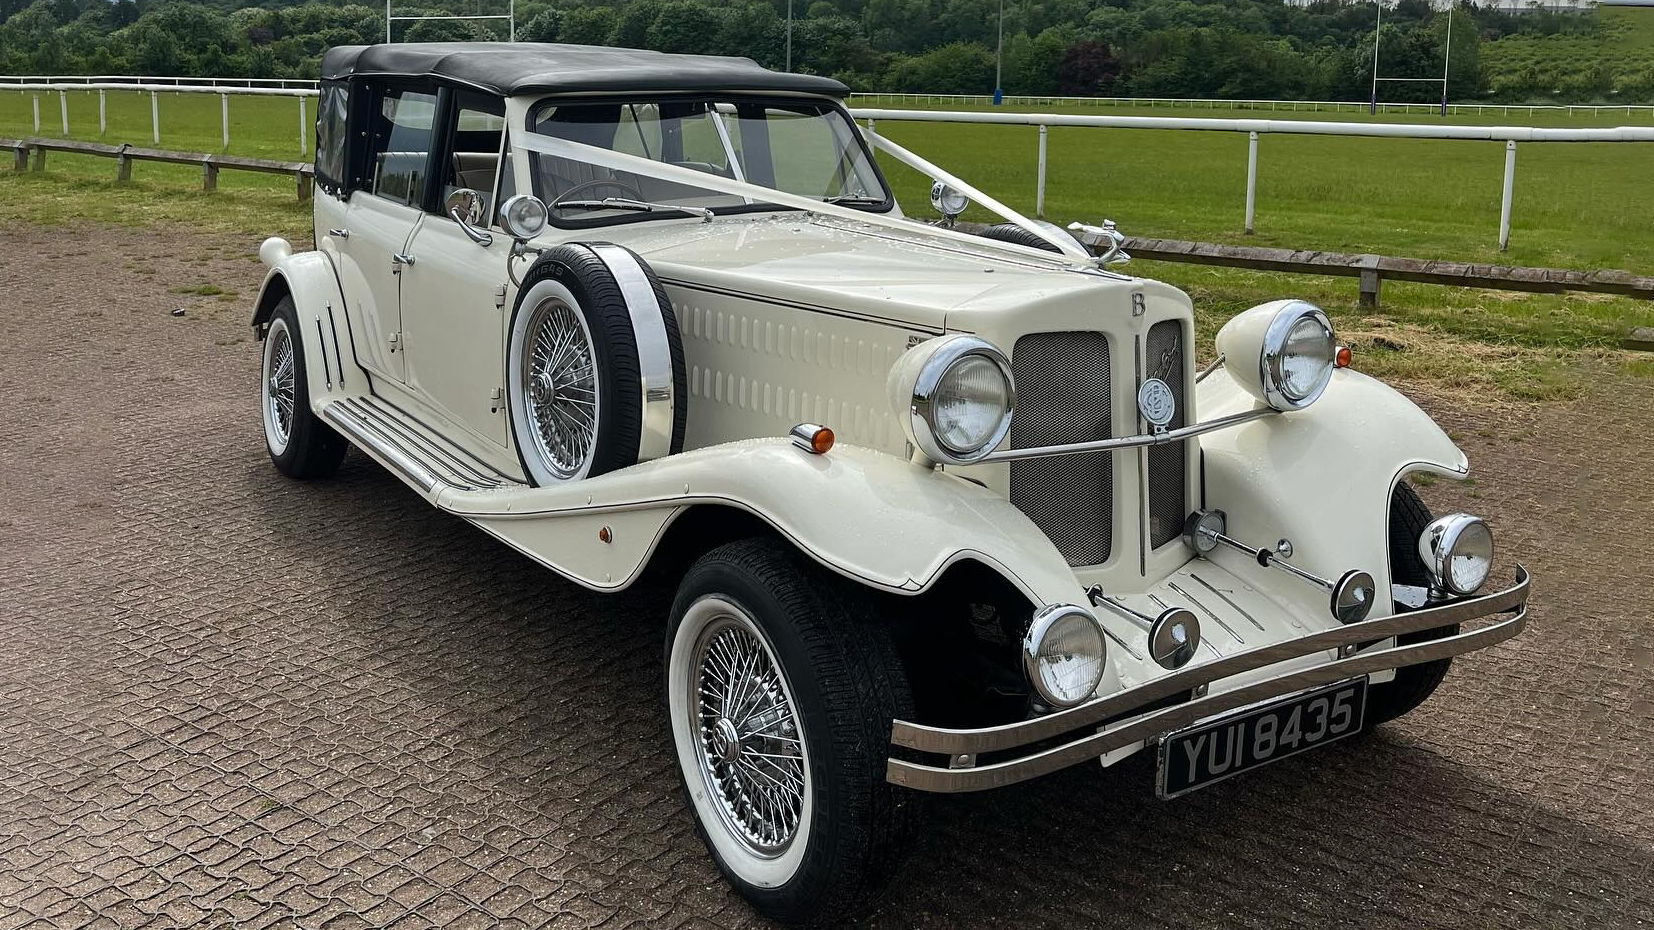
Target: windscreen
[{"x": 803, "y": 148}]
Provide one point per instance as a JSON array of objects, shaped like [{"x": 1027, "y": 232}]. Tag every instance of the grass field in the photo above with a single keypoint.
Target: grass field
[{"x": 1576, "y": 205}]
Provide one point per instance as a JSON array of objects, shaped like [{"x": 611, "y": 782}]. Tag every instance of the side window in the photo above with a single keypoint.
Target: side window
[
  {"x": 332, "y": 116},
  {"x": 400, "y": 145},
  {"x": 474, "y": 152}
]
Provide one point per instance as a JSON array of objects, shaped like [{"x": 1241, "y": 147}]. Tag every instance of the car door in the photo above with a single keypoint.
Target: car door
[
  {"x": 370, "y": 249},
  {"x": 452, "y": 297}
]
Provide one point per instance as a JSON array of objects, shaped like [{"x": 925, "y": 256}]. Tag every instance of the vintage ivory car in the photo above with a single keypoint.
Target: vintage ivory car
[{"x": 945, "y": 511}]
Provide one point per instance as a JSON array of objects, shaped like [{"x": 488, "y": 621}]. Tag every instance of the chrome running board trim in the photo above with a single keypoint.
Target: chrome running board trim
[
  {"x": 956, "y": 742},
  {"x": 407, "y": 448}
]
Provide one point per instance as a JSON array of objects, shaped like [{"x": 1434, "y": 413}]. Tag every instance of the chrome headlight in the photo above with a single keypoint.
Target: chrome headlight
[
  {"x": 948, "y": 201},
  {"x": 1283, "y": 352},
  {"x": 1458, "y": 553},
  {"x": 523, "y": 216},
  {"x": 1064, "y": 654},
  {"x": 954, "y": 396}
]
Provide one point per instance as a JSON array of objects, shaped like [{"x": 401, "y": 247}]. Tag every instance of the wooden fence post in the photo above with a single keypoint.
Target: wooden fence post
[
  {"x": 123, "y": 169},
  {"x": 40, "y": 158},
  {"x": 209, "y": 175},
  {"x": 20, "y": 157},
  {"x": 305, "y": 185}
]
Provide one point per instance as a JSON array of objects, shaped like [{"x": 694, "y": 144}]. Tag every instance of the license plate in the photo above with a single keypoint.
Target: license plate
[{"x": 1209, "y": 752}]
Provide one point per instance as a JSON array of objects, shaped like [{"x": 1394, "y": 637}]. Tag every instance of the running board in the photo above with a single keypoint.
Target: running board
[{"x": 409, "y": 448}]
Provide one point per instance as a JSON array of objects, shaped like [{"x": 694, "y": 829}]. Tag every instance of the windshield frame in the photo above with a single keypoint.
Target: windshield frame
[{"x": 834, "y": 107}]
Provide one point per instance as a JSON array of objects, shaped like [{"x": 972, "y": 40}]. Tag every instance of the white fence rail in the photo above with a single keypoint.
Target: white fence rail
[
  {"x": 1254, "y": 128},
  {"x": 1510, "y": 135},
  {"x": 224, "y": 92},
  {"x": 13, "y": 79},
  {"x": 1286, "y": 106}
]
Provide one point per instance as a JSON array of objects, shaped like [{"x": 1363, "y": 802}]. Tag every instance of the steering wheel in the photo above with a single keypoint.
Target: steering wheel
[{"x": 627, "y": 191}]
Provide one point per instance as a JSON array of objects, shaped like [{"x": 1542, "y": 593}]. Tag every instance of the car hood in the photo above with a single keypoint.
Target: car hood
[{"x": 917, "y": 279}]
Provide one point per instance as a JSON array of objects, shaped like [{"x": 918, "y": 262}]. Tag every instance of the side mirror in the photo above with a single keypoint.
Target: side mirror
[{"x": 464, "y": 206}]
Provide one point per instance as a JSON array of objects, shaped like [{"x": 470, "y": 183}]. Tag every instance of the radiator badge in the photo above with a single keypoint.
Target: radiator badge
[{"x": 1156, "y": 402}]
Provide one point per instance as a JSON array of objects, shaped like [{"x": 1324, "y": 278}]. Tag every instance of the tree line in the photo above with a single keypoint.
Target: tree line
[{"x": 1170, "y": 48}]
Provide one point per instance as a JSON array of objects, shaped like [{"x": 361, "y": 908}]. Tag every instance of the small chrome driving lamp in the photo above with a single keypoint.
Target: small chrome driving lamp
[{"x": 948, "y": 202}]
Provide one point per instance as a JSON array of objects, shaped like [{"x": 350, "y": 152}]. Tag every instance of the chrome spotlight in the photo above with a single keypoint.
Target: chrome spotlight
[{"x": 1458, "y": 553}]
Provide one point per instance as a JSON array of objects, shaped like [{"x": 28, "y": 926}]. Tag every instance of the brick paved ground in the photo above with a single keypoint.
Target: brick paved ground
[{"x": 227, "y": 699}]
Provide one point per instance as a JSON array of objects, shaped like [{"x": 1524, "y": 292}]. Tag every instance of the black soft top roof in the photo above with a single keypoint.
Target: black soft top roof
[{"x": 511, "y": 68}]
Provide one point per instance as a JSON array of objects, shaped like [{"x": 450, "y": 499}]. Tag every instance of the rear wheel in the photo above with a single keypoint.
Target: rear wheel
[
  {"x": 1413, "y": 684},
  {"x": 300, "y": 444},
  {"x": 781, "y": 685}
]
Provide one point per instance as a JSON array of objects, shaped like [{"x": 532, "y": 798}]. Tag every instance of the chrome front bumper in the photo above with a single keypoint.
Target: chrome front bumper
[{"x": 1063, "y": 738}]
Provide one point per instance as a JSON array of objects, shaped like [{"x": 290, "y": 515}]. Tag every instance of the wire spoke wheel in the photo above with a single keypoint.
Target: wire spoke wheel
[
  {"x": 560, "y": 371},
  {"x": 748, "y": 742},
  {"x": 280, "y": 383}
]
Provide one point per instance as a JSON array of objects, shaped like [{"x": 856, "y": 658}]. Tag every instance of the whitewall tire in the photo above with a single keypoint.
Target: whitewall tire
[
  {"x": 781, "y": 685},
  {"x": 300, "y": 444},
  {"x": 594, "y": 365}
]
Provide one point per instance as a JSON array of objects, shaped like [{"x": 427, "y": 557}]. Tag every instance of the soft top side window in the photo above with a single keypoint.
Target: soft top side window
[{"x": 332, "y": 136}]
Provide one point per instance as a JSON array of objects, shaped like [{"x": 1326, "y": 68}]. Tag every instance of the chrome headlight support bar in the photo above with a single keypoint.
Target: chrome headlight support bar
[
  {"x": 1130, "y": 442},
  {"x": 1353, "y": 594}
]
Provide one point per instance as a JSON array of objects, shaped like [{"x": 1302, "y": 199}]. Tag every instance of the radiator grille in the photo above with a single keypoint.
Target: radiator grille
[
  {"x": 1168, "y": 464},
  {"x": 1064, "y": 395}
]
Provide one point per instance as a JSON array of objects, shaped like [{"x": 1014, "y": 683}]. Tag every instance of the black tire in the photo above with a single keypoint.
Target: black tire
[
  {"x": 597, "y": 297},
  {"x": 1413, "y": 684},
  {"x": 312, "y": 449},
  {"x": 1011, "y": 232},
  {"x": 847, "y": 683}
]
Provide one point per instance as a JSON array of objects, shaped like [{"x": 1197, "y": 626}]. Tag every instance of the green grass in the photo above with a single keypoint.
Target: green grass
[{"x": 1576, "y": 206}]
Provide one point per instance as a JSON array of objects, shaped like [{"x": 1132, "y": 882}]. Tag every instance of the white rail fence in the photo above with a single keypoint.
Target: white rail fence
[
  {"x": 224, "y": 92},
  {"x": 1254, "y": 128},
  {"x": 1285, "y": 106},
  {"x": 1510, "y": 135}
]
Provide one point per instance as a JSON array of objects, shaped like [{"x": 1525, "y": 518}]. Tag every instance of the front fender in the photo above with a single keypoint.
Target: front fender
[
  {"x": 308, "y": 277},
  {"x": 1321, "y": 477},
  {"x": 868, "y": 515}
]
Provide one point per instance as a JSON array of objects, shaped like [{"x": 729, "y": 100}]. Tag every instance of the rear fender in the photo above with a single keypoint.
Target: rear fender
[
  {"x": 330, "y": 359},
  {"x": 1321, "y": 477}
]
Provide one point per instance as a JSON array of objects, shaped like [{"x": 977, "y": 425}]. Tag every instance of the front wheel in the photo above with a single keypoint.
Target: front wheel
[
  {"x": 782, "y": 684},
  {"x": 1413, "y": 684}
]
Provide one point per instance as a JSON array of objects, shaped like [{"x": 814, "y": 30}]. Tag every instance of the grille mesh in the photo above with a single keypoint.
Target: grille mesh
[
  {"x": 1063, "y": 395},
  {"x": 1168, "y": 464}
]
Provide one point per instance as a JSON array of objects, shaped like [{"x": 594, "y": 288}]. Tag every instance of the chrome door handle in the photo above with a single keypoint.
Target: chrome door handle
[
  {"x": 400, "y": 258},
  {"x": 339, "y": 233}
]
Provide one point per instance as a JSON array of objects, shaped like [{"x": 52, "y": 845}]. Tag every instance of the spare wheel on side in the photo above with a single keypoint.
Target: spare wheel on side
[{"x": 594, "y": 367}]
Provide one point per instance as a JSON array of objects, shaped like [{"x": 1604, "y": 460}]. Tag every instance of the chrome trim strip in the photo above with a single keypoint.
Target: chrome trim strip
[
  {"x": 1012, "y": 735},
  {"x": 654, "y": 353},
  {"x": 1228, "y": 600},
  {"x": 1207, "y": 611},
  {"x": 1130, "y": 442},
  {"x": 951, "y": 781},
  {"x": 365, "y": 436},
  {"x": 465, "y": 475}
]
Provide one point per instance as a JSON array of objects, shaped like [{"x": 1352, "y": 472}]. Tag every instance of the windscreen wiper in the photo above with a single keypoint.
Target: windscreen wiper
[
  {"x": 854, "y": 200},
  {"x": 626, "y": 203}
]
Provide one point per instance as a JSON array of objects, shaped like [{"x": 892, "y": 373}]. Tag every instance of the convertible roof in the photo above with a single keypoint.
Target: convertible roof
[{"x": 511, "y": 68}]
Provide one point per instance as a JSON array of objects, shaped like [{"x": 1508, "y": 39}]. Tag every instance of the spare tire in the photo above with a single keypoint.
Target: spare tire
[
  {"x": 1011, "y": 232},
  {"x": 594, "y": 366}
]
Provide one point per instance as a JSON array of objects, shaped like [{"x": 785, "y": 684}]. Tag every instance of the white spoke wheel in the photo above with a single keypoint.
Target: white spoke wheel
[
  {"x": 781, "y": 685},
  {"x": 280, "y": 379},
  {"x": 560, "y": 372},
  {"x": 300, "y": 444},
  {"x": 594, "y": 365}
]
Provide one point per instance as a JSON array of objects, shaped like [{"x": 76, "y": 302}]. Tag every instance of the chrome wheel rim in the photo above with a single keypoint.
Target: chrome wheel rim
[
  {"x": 279, "y": 383},
  {"x": 560, "y": 387},
  {"x": 748, "y": 744}
]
